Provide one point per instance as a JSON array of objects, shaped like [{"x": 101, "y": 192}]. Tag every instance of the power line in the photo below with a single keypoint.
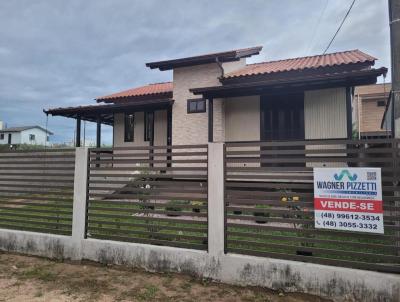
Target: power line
[
  {"x": 340, "y": 26},
  {"x": 317, "y": 26}
]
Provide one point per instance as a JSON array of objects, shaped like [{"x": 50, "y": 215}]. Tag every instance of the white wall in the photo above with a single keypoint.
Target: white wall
[
  {"x": 40, "y": 137},
  {"x": 23, "y": 137},
  {"x": 15, "y": 138}
]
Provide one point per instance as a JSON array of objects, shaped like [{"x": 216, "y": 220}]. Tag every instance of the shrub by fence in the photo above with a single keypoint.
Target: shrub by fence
[
  {"x": 155, "y": 195},
  {"x": 36, "y": 190},
  {"x": 269, "y": 202}
]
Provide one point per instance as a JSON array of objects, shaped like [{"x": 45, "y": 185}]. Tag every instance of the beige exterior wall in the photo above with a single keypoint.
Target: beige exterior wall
[
  {"x": 325, "y": 113},
  {"x": 193, "y": 128},
  {"x": 325, "y": 117},
  {"x": 371, "y": 115},
  {"x": 219, "y": 120},
  {"x": 242, "y": 119},
  {"x": 160, "y": 130},
  {"x": 138, "y": 132}
]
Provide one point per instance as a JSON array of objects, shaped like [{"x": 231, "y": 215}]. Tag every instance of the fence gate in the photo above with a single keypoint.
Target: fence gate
[
  {"x": 269, "y": 202},
  {"x": 155, "y": 195}
]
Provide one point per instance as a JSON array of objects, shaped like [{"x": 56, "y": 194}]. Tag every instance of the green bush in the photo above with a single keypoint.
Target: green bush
[
  {"x": 196, "y": 206},
  {"x": 261, "y": 214},
  {"x": 173, "y": 206}
]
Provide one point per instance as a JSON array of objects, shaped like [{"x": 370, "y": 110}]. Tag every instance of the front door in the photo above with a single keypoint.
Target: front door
[
  {"x": 282, "y": 117},
  {"x": 9, "y": 138}
]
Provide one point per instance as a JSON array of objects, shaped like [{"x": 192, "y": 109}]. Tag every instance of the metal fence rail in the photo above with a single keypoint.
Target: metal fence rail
[
  {"x": 155, "y": 195},
  {"x": 269, "y": 202},
  {"x": 36, "y": 190}
]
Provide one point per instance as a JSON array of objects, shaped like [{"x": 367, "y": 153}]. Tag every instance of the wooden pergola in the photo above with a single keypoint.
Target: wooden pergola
[{"x": 104, "y": 114}]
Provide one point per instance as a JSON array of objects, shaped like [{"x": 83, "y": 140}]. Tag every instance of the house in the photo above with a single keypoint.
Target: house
[
  {"x": 218, "y": 97},
  {"x": 31, "y": 135},
  {"x": 369, "y": 107}
]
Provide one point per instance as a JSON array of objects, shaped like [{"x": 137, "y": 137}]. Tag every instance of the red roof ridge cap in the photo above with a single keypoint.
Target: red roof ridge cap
[{"x": 313, "y": 56}]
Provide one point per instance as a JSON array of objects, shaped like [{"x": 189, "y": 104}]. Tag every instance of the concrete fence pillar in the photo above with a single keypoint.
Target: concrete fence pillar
[
  {"x": 80, "y": 199},
  {"x": 216, "y": 226}
]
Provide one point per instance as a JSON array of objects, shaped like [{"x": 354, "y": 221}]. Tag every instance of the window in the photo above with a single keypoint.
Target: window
[
  {"x": 31, "y": 137},
  {"x": 2, "y": 136},
  {"x": 381, "y": 103},
  {"x": 129, "y": 127},
  {"x": 196, "y": 105},
  {"x": 149, "y": 126}
]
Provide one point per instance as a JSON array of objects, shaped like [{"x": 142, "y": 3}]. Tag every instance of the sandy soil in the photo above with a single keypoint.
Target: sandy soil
[{"x": 35, "y": 279}]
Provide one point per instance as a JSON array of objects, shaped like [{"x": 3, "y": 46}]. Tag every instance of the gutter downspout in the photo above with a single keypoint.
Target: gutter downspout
[{"x": 220, "y": 66}]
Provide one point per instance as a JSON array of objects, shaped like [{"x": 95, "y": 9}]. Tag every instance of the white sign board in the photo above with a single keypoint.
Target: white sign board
[{"x": 348, "y": 199}]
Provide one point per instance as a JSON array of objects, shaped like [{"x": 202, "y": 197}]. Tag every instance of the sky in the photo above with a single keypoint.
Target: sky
[{"x": 57, "y": 53}]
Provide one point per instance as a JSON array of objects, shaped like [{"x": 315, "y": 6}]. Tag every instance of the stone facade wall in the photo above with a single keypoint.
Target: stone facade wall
[{"x": 193, "y": 128}]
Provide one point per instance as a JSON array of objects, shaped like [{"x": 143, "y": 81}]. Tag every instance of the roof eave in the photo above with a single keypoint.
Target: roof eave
[
  {"x": 369, "y": 76},
  {"x": 90, "y": 112},
  {"x": 144, "y": 97},
  {"x": 228, "y": 56}
]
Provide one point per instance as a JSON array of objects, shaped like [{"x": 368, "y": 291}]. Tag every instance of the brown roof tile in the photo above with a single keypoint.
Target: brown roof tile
[
  {"x": 147, "y": 90},
  {"x": 302, "y": 63}
]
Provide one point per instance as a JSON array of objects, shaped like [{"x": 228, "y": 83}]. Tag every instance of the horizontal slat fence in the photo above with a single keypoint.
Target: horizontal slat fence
[
  {"x": 154, "y": 195},
  {"x": 36, "y": 190},
  {"x": 269, "y": 202}
]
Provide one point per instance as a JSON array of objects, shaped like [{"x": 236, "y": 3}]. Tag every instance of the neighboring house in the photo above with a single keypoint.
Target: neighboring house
[
  {"x": 369, "y": 107},
  {"x": 219, "y": 97},
  {"x": 31, "y": 135}
]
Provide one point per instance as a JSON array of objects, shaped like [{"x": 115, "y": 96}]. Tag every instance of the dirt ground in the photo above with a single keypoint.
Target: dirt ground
[{"x": 25, "y": 278}]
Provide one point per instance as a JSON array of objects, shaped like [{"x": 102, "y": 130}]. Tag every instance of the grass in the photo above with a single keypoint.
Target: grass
[
  {"x": 148, "y": 293},
  {"x": 42, "y": 273},
  {"x": 137, "y": 222},
  {"x": 13, "y": 217}
]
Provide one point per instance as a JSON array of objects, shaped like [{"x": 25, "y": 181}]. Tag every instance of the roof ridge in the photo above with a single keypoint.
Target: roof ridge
[
  {"x": 157, "y": 83},
  {"x": 307, "y": 57},
  {"x": 142, "y": 90}
]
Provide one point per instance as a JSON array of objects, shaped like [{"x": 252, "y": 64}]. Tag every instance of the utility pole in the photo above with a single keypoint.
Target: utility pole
[{"x": 394, "y": 22}]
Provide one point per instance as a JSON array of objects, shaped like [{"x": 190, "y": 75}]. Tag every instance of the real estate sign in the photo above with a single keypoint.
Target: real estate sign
[{"x": 348, "y": 199}]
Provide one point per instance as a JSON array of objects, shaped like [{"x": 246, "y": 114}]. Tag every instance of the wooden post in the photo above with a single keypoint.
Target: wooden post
[
  {"x": 169, "y": 133},
  {"x": 78, "y": 131},
  {"x": 349, "y": 115},
  {"x": 98, "y": 132},
  {"x": 210, "y": 120}
]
